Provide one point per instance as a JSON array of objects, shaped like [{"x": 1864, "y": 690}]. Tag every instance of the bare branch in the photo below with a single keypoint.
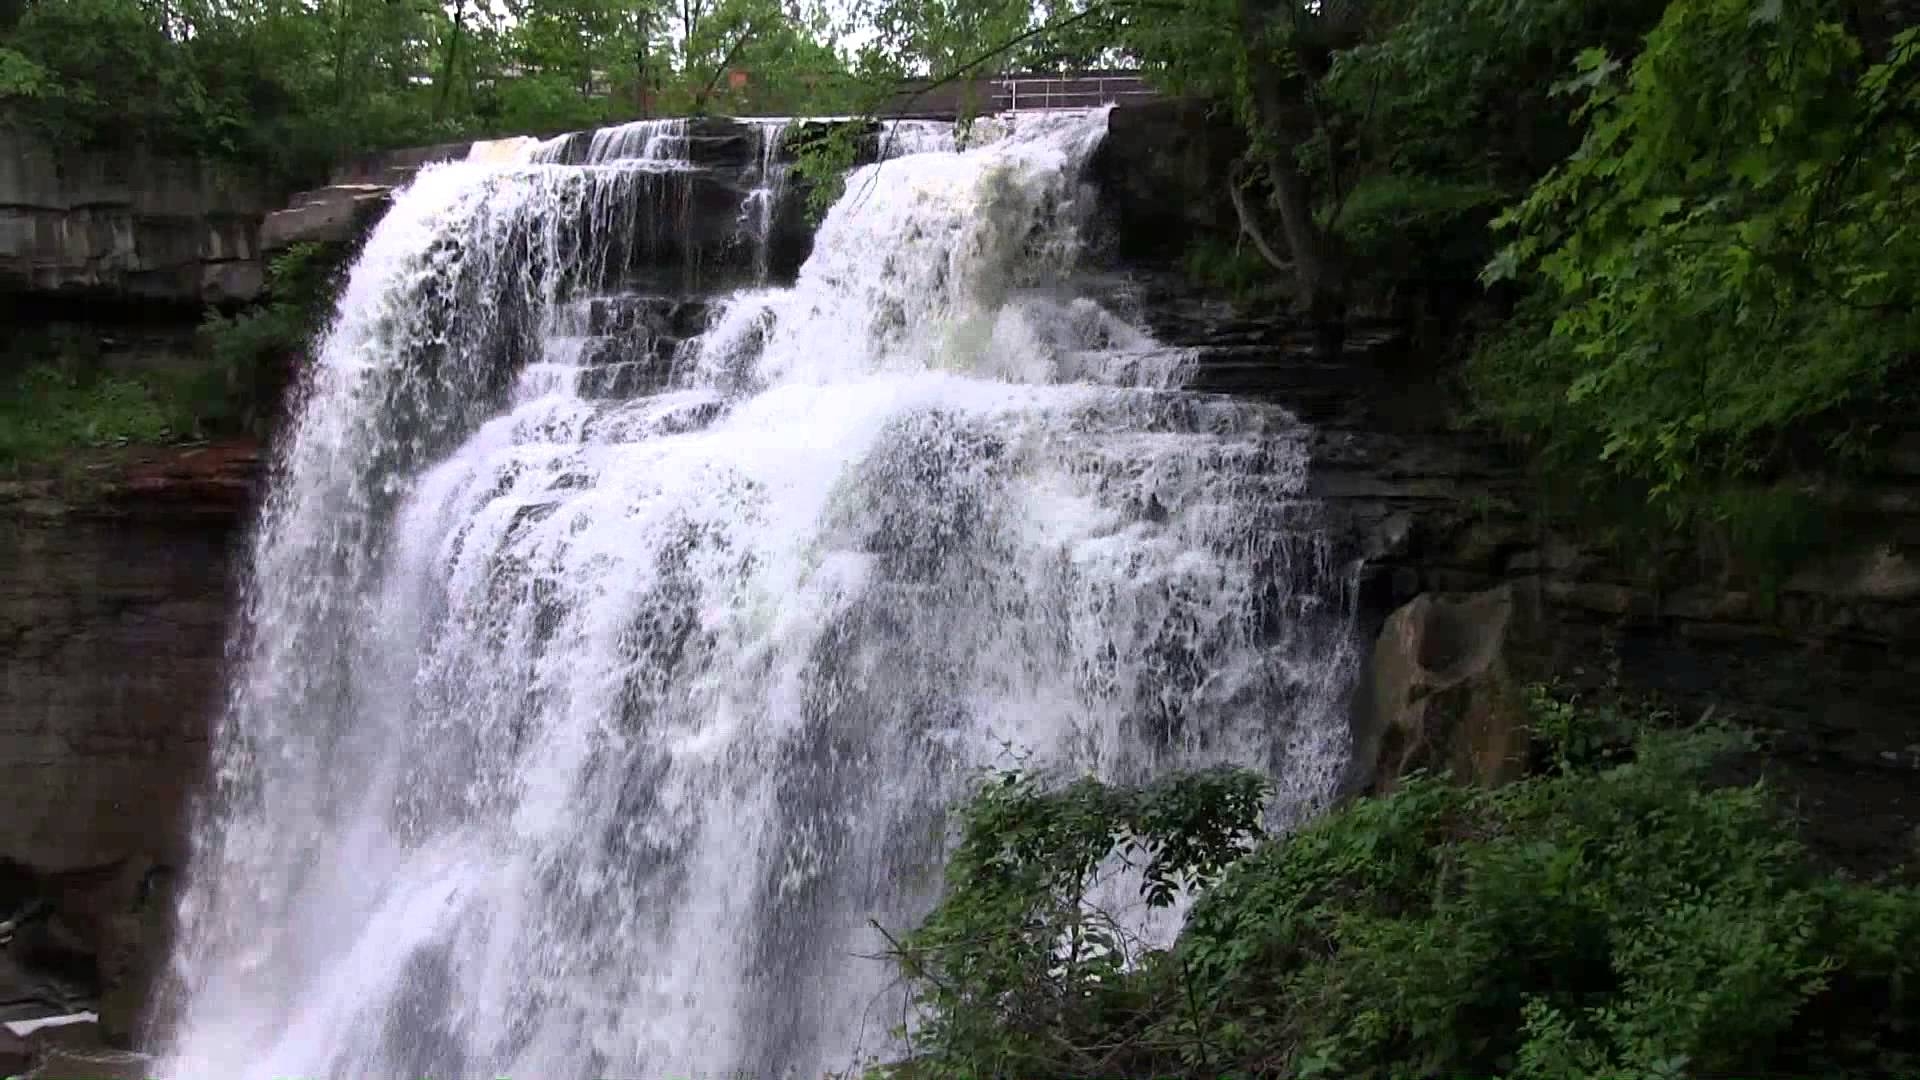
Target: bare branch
[{"x": 1252, "y": 229}]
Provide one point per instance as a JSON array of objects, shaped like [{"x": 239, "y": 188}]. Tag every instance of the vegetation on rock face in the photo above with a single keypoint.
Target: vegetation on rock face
[
  {"x": 1613, "y": 916},
  {"x": 58, "y": 395},
  {"x": 46, "y": 410},
  {"x": 252, "y": 353}
]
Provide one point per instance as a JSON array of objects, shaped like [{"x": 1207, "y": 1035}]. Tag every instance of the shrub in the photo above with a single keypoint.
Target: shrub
[
  {"x": 251, "y": 351},
  {"x": 1617, "y": 918}
]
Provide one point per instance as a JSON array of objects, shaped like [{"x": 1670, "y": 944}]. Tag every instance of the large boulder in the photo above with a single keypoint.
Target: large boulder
[{"x": 1439, "y": 694}]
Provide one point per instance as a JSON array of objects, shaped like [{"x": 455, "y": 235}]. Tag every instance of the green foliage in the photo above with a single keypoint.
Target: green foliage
[
  {"x": 294, "y": 86},
  {"x": 1015, "y": 963},
  {"x": 1461, "y": 91},
  {"x": 1233, "y": 269},
  {"x": 46, "y": 411},
  {"x": 61, "y": 398},
  {"x": 940, "y": 37},
  {"x": 21, "y": 77},
  {"x": 1410, "y": 226},
  {"x": 251, "y": 351},
  {"x": 1616, "y": 917},
  {"x": 1727, "y": 263},
  {"x": 1437, "y": 114},
  {"x": 822, "y": 156}
]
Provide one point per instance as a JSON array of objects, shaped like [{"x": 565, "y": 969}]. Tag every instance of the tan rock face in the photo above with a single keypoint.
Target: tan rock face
[
  {"x": 1439, "y": 694},
  {"x": 329, "y": 215}
]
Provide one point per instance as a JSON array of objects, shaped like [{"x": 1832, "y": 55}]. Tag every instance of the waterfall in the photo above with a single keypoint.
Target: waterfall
[
  {"x": 769, "y": 184},
  {"x": 609, "y": 659},
  {"x": 659, "y": 142}
]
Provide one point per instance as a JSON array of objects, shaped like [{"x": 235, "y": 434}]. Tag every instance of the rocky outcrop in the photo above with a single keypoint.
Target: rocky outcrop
[
  {"x": 114, "y": 600},
  {"x": 1162, "y": 174},
  {"x": 126, "y": 225},
  {"x": 1822, "y": 665},
  {"x": 700, "y": 213},
  {"x": 335, "y": 214},
  {"x": 1439, "y": 694}
]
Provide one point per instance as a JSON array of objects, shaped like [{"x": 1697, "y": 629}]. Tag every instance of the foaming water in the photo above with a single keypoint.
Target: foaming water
[
  {"x": 609, "y": 660},
  {"x": 763, "y": 200},
  {"x": 661, "y": 143}
]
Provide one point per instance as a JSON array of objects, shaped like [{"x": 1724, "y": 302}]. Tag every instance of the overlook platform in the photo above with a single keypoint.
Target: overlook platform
[{"x": 1019, "y": 93}]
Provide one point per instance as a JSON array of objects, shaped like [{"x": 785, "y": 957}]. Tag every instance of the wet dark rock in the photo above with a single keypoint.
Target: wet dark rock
[
  {"x": 1824, "y": 667},
  {"x": 114, "y": 607},
  {"x": 1162, "y": 173}
]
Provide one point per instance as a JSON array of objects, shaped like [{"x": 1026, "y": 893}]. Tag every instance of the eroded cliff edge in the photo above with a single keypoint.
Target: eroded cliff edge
[
  {"x": 115, "y": 561},
  {"x": 115, "y": 593}
]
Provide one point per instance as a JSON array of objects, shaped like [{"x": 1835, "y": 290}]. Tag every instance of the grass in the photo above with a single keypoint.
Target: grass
[{"x": 47, "y": 413}]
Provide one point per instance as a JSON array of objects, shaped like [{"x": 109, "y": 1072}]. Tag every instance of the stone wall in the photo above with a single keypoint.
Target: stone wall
[{"x": 126, "y": 225}]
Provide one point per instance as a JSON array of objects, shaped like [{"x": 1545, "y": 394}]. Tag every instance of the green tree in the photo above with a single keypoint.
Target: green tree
[
  {"x": 1727, "y": 266},
  {"x": 1615, "y": 916}
]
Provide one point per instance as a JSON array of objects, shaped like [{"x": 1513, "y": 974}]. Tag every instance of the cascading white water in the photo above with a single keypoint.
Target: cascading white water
[
  {"x": 763, "y": 200},
  {"x": 595, "y": 691},
  {"x": 658, "y": 142}
]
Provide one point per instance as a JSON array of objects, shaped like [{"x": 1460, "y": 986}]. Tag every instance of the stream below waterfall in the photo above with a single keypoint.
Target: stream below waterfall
[{"x": 612, "y": 653}]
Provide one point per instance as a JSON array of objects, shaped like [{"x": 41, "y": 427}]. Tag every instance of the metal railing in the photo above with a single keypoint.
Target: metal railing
[{"x": 1017, "y": 93}]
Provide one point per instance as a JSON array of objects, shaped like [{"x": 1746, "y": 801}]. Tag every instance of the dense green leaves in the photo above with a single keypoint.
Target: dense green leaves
[
  {"x": 59, "y": 395},
  {"x": 1020, "y": 971},
  {"x": 296, "y": 84},
  {"x": 1728, "y": 260},
  {"x": 1618, "y": 918},
  {"x": 253, "y": 352}
]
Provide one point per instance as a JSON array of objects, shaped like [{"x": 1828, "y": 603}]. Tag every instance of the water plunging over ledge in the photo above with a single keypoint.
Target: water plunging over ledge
[{"x": 609, "y": 659}]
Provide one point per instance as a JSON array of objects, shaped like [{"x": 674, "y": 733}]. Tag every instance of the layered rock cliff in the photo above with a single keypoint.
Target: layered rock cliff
[
  {"x": 115, "y": 589},
  {"x": 1819, "y": 664},
  {"x": 127, "y": 225},
  {"x": 114, "y": 562}
]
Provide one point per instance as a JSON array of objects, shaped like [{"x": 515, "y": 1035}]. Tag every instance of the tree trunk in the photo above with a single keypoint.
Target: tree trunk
[
  {"x": 453, "y": 59},
  {"x": 642, "y": 12},
  {"x": 640, "y": 81},
  {"x": 1316, "y": 265}
]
